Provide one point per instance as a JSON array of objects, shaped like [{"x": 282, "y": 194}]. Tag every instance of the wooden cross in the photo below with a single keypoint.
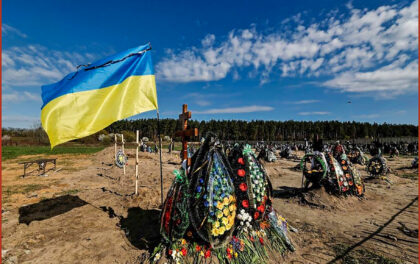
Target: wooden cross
[{"x": 186, "y": 133}]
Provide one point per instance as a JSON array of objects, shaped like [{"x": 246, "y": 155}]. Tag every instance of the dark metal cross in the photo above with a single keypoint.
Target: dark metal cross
[{"x": 186, "y": 133}]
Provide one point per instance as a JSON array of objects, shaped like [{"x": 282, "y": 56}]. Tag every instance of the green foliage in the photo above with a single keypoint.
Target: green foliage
[
  {"x": 268, "y": 130},
  {"x": 106, "y": 141},
  {"x": 129, "y": 136},
  {"x": 11, "y": 152}
]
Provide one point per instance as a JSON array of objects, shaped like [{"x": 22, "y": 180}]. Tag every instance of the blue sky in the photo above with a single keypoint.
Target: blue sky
[{"x": 270, "y": 60}]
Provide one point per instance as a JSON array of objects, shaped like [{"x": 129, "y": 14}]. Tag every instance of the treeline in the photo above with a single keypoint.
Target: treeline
[{"x": 268, "y": 130}]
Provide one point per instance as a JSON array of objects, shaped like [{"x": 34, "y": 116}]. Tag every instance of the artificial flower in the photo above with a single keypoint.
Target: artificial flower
[
  {"x": 157, "y": 257},
  {"x": 220, "y": 205},
  {"x": 243, "y": 187},
  {"x": 224, "y": 220},
  {"x": 226, "y": 211},
  {"x": 226, "y": 201},
  {"x": 245, "y": 203},
  {"x": 207, "y": 254},
  {"x": 256, "y": 215},
  {"x": 231, "y": 198}
]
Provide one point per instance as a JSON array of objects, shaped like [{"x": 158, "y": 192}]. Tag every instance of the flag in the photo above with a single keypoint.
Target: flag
[{"x": 99, "y": 94}]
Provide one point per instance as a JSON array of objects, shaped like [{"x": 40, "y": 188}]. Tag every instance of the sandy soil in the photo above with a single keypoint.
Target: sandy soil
[{"x": 86, "y": 212}]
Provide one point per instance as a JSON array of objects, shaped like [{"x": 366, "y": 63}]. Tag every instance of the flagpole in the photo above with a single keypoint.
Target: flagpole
[{"x": 160, "y": 158}]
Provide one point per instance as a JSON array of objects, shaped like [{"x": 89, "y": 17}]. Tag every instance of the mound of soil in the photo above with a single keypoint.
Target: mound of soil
[{"x": 87, "y": 212}]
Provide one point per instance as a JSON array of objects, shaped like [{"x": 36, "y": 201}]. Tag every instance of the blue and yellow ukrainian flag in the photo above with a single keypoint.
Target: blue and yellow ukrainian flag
[{"x": 99, "y": 94}]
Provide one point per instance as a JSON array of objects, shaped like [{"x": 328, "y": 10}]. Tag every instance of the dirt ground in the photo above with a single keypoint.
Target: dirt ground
[{"x": 86, "y": 212}]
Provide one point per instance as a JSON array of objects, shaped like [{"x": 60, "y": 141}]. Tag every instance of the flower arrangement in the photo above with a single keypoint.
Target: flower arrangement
[
  {"x": 174, "y": 216},
  {"x": 221, "y": 202},
  {"x": 251, "y": 182},
  {"x": 338, "y": 176},
  {"x": 228, "y": 208}
]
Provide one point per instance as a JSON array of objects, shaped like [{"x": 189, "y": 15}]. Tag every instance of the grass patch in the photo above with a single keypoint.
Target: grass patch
[
  {"x": 68, "y": 192},
  {"x": 22, "y": 189},
  {"x": 361, "y": 256},
  {"x": 10, "y": 190},
  {"x": 11, "y": 152},
  {"x": 412, "y": 176}
]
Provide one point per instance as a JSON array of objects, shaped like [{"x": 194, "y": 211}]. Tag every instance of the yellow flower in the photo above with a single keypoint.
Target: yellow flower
[
  {"x": 281, "y": 218},
  {"x": 232, "y": 207},
  {"x": 214, "y": 232},
  {"x": 226, "y": 201},
  {"x": 202, "y": 253},
  {"x": 226, "y": 211},
  {"x": 183, "y": 242},
  {"x": 216, "y": 224},
  {"x": 222, "y": 230},
  {"x": 228, "y": 226},
  {"x": 236, "y": 254},
  {"x": 231, "y": 198},
  {"x": 219, "y": 205},
  {"x": 224, "y": 220},
  {"x": 231, "y": 221},
  {"x": 219, "y": 214}
]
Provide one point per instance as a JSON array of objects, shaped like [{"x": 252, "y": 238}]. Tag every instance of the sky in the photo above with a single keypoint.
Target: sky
[{"x": 266, "y": 60}]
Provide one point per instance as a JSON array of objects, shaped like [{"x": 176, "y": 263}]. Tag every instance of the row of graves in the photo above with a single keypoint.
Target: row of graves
[
  {"x": 219, "y": 207},
  {"x": 324, "y": 159}
]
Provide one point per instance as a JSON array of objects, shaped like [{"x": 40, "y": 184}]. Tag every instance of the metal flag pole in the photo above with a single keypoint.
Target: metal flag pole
[{"x": 160, "y": 158}]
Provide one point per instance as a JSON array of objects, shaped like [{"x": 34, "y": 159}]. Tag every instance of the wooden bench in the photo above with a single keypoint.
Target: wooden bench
[{"x": 42, "y": 164}]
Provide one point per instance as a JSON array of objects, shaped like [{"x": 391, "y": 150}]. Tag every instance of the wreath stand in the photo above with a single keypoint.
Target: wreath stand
[{"x": 122, "y": 148}]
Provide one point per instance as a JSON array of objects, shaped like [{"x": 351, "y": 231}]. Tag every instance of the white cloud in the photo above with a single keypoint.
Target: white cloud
[
  {"x": 303, "y": 102},
  {"x": 314, "y": 113},
  {"x": 34, "y": 65},
  {"x": 204, "y": 99},
  {"x": 387, "y": 81},
  {"x": 20, "y": 96},
  {"x": 202, "y": 103},
  {"x": 236, "y": 110},
  {"x": 8, "y": 30},
  {"x": 350, "y": 47},
  {"x": 367, "y": 116}
]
